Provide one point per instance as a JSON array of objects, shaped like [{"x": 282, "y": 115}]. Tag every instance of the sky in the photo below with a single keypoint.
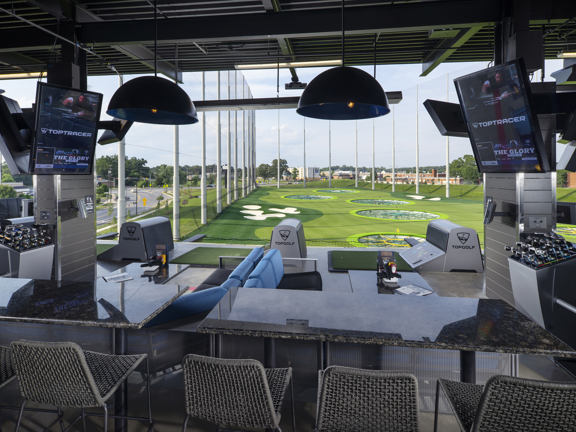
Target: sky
[{"x": 394, "y": 136}]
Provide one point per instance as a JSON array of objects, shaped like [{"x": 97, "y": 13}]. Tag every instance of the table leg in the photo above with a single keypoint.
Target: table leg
[
  {"x": 121, "y": 395},
  {"x": 269, "y": 352},
  {"x": 468, "y": 366}
]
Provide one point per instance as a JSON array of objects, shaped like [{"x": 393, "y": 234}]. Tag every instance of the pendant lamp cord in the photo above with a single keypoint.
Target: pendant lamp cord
[
  {"x": 375, "y": 40},
  {"x": 343, "y": 45},
  {"x": 155, "y": 40}
]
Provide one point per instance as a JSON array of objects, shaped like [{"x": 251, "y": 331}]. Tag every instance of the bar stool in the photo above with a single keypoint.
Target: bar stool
[
  {"x": 239, "y": 393},
  {"x": 358, "y": 400},
  {"x": 7, "y": 372},
  {"x": 507, "y": 403},
  {"x": 61, "y": 374}
]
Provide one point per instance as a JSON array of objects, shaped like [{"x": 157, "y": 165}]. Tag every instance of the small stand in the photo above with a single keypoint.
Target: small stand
[{"x": 386, "y": 270}]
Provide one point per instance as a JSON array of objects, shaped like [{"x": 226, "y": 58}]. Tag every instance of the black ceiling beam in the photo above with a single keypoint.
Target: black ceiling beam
[
  {"x": 138, "y": 52},
  {"x": 324, "y": 22},
  {"x": 61, "y": 9},
  {"x": 436, "y": 58},
  {"x": 297, "y": 24}
]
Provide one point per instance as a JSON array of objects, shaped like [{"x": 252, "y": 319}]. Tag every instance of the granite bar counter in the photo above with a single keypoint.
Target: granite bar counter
[
  {"x": 129, "y": 305},
  {"x": 464, "y": 324}
]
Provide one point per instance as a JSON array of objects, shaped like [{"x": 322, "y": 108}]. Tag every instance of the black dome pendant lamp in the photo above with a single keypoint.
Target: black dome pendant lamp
[
  {"x": 343, "y": 93},
  {"x": 152, "y": 99}
]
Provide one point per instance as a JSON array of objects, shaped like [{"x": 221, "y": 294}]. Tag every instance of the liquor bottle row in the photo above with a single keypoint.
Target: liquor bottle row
[
  {"x": 21, "y": 238},
  {"x": 542, "y": 250}
]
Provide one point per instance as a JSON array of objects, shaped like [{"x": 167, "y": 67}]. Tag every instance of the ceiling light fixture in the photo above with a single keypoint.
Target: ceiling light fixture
[
  {"x": 301, "y": 64},
  {"x": 21, "y": 75},
  {"x": 343, "y": 93},
  {"x": 566, "y": 54},
  {"x": 152, "y": 99}
]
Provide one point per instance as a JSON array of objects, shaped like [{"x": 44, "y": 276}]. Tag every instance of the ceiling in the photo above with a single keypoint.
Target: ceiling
[{"x": 118, "y": 36}]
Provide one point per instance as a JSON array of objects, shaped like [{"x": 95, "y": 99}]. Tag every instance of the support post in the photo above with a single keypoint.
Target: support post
[
  {"x": 218, "y": 154},
  {"x": 176, "y": 183},
  {"x": 203, "y": 206},
  {"x": 121, "y": 204}
]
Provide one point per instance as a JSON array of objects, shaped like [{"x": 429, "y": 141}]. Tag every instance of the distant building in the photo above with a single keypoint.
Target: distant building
[
  {"x": 343, "y": 175},
  {"x": 433, "y": 177},
  {"x": 312, "y": 173}
]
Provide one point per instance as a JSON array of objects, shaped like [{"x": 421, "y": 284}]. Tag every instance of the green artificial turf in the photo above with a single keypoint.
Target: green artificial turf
[
  {"x": 362, "y": 260},
  {"x": 100, "y": 248},
  {"x": 326, "y": 221},
  {"x": 209, "y": 255}
]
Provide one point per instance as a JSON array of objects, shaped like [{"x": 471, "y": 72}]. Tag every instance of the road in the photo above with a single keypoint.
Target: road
[{"x": 150, "y": 194}]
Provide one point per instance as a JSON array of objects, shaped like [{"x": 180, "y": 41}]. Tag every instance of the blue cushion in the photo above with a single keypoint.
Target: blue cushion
[
  {"x": 265, "y": 273},
  {"x": 275, "y": 258},
  {"x": 230, "y": 283},
  {"x": 190, "y": 304},
  {"x": 253, "y": 283},
  {"x": 256, "y": 255},
  {"x": 242, "y": 271}
]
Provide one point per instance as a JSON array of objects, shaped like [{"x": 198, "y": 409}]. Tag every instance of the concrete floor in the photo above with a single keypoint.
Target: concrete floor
[{"x": 167, "y": 394}]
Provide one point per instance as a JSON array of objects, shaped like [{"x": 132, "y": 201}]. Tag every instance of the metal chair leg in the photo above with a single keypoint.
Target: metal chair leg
[
  {"x": 105, "y": 417},
  {"x": 185, "y": 422},
  {"x": 150, "y": 421},
  {"x": 84, "y": 419},
  {"x": 436, "y": 403},
  {"x": 20, "y": 415},
  {"x": 61, "y": 419},
  {"x": 293, "y": 404}
]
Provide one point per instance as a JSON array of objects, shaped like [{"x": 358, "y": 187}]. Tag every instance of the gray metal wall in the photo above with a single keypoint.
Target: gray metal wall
[
  {"x": 76, "y": 248},
  {"x": 75, "y": 239},
  {"x": 530, "y": 196}
]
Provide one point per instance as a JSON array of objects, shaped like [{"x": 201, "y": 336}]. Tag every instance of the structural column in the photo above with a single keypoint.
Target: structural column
[
  {"x": 203, "y": 206},
  {"x": 235, "y": 139},
  {"x": 229, "y": 154},
  {"x": 305, "y": 170},
  {"x": 243, "y": 142},
  {"x": 329, "y": 153},
  {"x": 356, "y": 173},
  {"x": 417, "y": 148},
  {"x": 218, "y": 154},
  {"x": 121, "y": 204},
  {"x": 176, "y": 183},
  {"x": 393, "y": 151}
]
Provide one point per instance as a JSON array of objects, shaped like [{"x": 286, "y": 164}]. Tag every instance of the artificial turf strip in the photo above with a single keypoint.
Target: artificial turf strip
[
  {"x": 100, "y": 248},
  {"x": 362, "y": 260},
  {"x": 209, "y": 255}
]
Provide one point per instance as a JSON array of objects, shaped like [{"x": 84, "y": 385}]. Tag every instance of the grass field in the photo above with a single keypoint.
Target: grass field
[
  {"x": 334, "y": 219},
  {"x": 330, "y": 222}
]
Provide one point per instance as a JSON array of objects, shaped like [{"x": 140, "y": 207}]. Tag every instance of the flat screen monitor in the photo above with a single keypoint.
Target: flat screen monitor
[
  {"x": 504, "y": 132},
  {"x": 447, "y": 117},
  {"x": 66, "y": 129},
  {"x": 116, "y": 133}
]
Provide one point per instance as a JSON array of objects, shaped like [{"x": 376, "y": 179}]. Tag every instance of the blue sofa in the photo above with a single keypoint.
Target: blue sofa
[
  {"x": 269, "y": 273},
  {"x": 206, "y": 295}
]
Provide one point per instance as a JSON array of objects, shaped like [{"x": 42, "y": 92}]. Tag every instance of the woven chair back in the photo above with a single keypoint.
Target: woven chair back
[
  {"x": 54, "y": 373},
  {"x": 7, "y": 371},
  {"x": 518, "y": 404},
  {"x": 228, "y": 392},
  {"x": 358, "y": 400}
]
